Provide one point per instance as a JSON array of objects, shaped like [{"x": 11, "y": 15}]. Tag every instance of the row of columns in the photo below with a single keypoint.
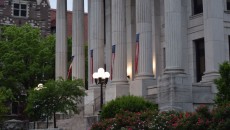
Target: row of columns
[
  {"x": 144, "y": 20},
  {"x": 96, "y": 38},
  {"x": 213, "y": 34},
  {"x": 119, "y": 35},
  {"x": 78, "y": 43}
]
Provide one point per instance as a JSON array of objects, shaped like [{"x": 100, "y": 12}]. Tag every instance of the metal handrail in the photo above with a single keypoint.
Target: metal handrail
[{"x": 94, "y": 103}]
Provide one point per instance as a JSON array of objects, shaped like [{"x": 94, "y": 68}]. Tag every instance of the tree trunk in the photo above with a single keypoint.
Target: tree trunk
[
  {"x": 55, "y": 121},
  {"x": 47, "y": 123}
]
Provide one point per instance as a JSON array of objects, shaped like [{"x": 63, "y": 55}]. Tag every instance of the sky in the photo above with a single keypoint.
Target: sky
[{"x": 53, "y": 4}]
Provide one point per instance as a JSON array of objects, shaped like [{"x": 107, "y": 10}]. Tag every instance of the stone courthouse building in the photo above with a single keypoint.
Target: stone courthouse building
[{"x": 167, "y": 51}]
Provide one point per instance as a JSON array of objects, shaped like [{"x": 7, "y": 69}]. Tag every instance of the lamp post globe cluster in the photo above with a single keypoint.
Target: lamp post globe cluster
[{"x": 101, "y": 77}]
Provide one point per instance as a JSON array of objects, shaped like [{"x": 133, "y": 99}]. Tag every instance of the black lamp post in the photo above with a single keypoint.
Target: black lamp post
[{"x": 101, "y": 77}]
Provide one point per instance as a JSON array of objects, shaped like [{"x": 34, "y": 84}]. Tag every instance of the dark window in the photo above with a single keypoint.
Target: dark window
[
  {"x": 53, "y": 30},
  {"x": 200, "y": 58},
  {"x": 23, "y": 6},
  {"x": 20, "y": 10},
  {"x": 197, "y": 6},
  {"x": 16, "y": 6},
  {"x": 16, "y": 12},
  {"x": 228, "y": 4},
  {"x": 23, "y": 13}
]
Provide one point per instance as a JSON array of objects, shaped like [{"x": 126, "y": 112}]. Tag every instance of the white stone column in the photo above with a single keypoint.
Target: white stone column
[
  {"x": 119, "y": 39},
  {"x": 173, "y": 36},
  {"x": 96, "y": 37},
  {"x": 119, "y": 85},
  {"x": 89, "y": 46},
  {"x": 108, "y": 35},
  {"x": 78, "y": 43},
  {"x": 131, "y": 37},
  {"x": 214, "y": 38},
  {"x": 175, "y": 86},
  {"x": 144, "y": 78},
  {"x": 61, "y": 40},
  {"x": 96, "y": 43},
  {"x": 144, "y": 29},
  {"x": 156, "y": 29}
]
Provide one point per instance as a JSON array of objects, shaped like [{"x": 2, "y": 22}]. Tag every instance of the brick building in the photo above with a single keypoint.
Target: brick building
[
  {"x": 69, "y": 23},
  {"x": 19, "y": 12},
  {"x": 34, "y": 12}
]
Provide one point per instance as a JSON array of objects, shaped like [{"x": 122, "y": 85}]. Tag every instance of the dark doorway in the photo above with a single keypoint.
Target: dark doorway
[
  {"x": 200, "y": 58},
  {"x": 228, "y": 5},
  {"x": 197, "y": 6}
]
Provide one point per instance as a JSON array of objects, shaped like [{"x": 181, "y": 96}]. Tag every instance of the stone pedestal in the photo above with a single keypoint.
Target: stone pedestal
[
  {"x": 113, "y": 91},
  {"x": 175, "y": 92},
  {"x": 90, "y": 120},
  {"x": 92, "y": 101},
  {"x": 140, "y": 87}
]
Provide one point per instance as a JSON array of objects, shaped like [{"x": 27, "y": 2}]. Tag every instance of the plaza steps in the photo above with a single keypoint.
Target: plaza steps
[{"x": 76, "y": 122}]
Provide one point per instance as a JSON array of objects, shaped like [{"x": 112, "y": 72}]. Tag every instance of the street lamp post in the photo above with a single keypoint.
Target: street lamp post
[
  {"x": 38, "y": 88},
  {"x": 101, "y": 77}
]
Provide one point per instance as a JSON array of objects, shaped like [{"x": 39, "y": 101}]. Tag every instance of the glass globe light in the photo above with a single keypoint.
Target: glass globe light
[
  {"x": 95, "y": 75},
  {"x": 101, "y": 72},
  {"x": 107, "y": 75}
]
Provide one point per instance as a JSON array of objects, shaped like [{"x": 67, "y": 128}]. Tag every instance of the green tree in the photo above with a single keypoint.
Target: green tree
[
  {"x": 223, "y": 85},
  {"x": 5, "y": 96},
  {"x": 26, "y": 58},
  {"x": 55, "y": 96}
]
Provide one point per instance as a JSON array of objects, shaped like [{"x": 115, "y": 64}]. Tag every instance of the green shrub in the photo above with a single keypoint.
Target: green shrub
[
  {"x": 126, "y": 103},
  {"x": 201, "y": 119},
  {"x": 126, "y": 120},
  {"x": 221, "y": 118},
  {"x": 223, "y": 83}
]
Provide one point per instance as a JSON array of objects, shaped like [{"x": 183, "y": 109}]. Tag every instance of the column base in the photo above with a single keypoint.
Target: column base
[
  {"x": 113, "y": 91},
  {"x": 174, "y": 71},
  {"x": 209, "y": 77},
  {"x": 92, "y": 101},
  {"x": 175, "y": 92},
  {"x": 144, "y": 76},
  {"x": 119, "y": 82},
  {"x": 138, "y": 87}
]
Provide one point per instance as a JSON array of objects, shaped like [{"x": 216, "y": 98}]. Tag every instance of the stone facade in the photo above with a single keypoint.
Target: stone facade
[
  {"x": 165, "y": 50},
  {"x": 19, "y": 12}
]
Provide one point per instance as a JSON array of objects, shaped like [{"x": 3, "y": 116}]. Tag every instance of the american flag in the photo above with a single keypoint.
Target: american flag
[
  {"x": 137, "y": 53},
  {"x": 70, "y": 68},
  {"x": 113, "y": 58},
  {"x": 91, "y": 64}
]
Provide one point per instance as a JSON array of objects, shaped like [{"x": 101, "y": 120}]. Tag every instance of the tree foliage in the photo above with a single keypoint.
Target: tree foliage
[
  {"x": 5, "y": 96},
  {"x": 26, "y": 58},
  {"x": 55, "y": 96},
  {"x": 223, "y": 84}
]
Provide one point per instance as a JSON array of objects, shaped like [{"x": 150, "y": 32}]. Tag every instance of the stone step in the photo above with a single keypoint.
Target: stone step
[{"x": 76, "y": 122}]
